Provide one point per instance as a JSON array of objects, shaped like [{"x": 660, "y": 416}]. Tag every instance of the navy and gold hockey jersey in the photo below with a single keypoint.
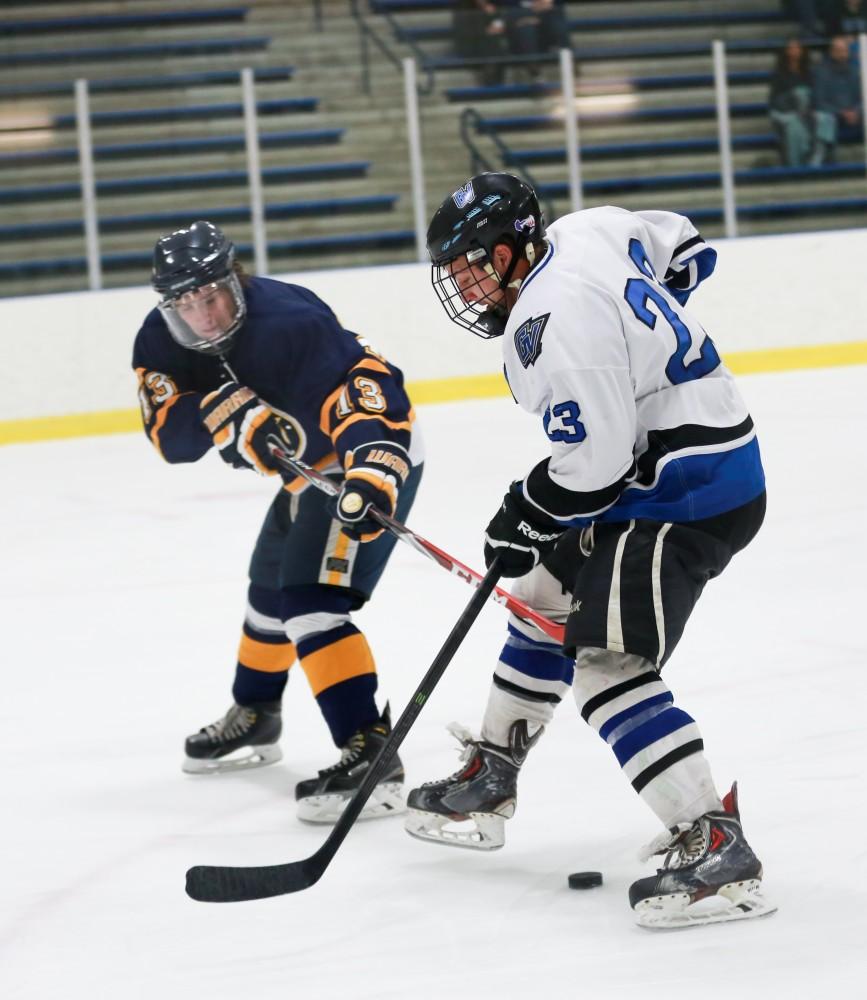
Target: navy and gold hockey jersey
[{"x": 330, "y": 390}]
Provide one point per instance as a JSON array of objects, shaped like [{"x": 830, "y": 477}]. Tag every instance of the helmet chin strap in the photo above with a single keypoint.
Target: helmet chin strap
[{"x": 505, "y": 281}]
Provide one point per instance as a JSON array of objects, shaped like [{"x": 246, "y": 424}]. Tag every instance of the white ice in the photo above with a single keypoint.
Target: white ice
[{"x": 123, "y": 582}]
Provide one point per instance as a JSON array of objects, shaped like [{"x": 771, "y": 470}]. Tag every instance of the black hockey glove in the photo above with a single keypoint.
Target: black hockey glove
[
  {"x": 374, "y": 477},
  {"x": 519, "y": 534},
  {"x": 239, "y": 423}
]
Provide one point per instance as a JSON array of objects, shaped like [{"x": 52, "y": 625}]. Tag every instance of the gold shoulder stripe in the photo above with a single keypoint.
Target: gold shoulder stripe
[
  {"x": 162, "y": 416},
  {"x": 330, "y": 400},
  {"x": 372, "y": 365},
  {"x": 402, "y": 425}
]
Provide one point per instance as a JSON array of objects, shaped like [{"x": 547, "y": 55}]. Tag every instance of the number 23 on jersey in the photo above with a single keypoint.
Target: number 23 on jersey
[{"x": 639, "y": 293}]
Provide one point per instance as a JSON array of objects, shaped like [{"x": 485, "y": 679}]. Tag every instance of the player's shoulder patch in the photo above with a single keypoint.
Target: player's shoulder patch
[{"x": 528, "y": 339}]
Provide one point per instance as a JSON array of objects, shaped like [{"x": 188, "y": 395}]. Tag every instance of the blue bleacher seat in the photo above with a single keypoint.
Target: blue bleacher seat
[
  {"x": 645, "y": 148},
  {"x": 162, "y": 182},
  {"x": 174, "y": 147},
  {"x": 699, "y": 179},
  {"x": 398, "y": 6},
  {"x": 119, "y": 22},
  {"x": 599, "y": 53},
  {"x": 158, "y": 51},
  {"x": 785, "y": 209},
  {"x": 169, "y": 81},
  {"x": 529, "y": 123},
  {"x": 338, "y": 243},
  {"x": 165, "y": 221},
  {"x": 579, "y": 26},
  {"x": 671, "y": 81},
  {"x": 189, "y": 112}
]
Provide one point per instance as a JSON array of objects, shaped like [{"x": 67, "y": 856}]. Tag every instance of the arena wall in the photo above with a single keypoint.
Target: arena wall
[{"x": 775, "y": 303}]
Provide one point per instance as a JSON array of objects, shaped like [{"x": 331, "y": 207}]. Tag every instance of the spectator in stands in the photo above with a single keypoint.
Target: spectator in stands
[
  {"x": 808, "y": 14},
  {"x": 479, "y": 32},
  {"x": 850, "y": 19},
  {"x": 534, "y": 26},
  {"x": 836, "y": 101},
  {"x": 790, "y": 103}
]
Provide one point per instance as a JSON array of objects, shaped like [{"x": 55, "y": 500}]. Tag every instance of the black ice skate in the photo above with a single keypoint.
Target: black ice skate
[
  {"x": 469, "y": 808},
  {"x": 709, "y": 874},
  {"x": 245, "y": 737},
  {"x": 322, "y": 799}
]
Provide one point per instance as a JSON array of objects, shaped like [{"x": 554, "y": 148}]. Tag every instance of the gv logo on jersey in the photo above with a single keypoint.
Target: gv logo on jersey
[
  {"x": 464, "y": 195},
  {"x": 528, "y": 339}
]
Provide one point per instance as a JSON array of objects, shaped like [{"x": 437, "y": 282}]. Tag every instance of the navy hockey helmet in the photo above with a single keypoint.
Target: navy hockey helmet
[
  {"x": 490, "y": 208},
  {"x": 202, "y": 299}
]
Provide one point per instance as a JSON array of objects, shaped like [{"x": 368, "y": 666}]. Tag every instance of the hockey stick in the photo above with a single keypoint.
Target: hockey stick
[
  {"x": 433, "y": 552},
  {"x": 210, "y": 884}
]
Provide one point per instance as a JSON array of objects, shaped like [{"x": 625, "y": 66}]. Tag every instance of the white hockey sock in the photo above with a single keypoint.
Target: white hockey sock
[
  {"x": 658, "y": 746},
  {"x": 505, "y": 708}
]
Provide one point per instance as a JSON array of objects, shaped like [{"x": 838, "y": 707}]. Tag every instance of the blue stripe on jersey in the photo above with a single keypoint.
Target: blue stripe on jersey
[
  {"x": 535, "y": 660},
  {"x": 538, "y": 269},
  {"x": 705, "y": 262},
  {"x": 633, "y": 713},
  {"x": 639, "y": 739},
  {"x": 693, "y": 487}
]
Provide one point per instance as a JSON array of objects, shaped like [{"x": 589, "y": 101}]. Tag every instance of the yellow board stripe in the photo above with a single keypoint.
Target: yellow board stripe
[
  {"x": 69, "y": 426},
  {"x": 787, "y": 359},
  {"x": 776, "y": 359}
]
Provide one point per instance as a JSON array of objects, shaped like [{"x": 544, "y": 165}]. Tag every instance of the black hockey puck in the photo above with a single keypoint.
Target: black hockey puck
[{"x": 585, "y": 880}]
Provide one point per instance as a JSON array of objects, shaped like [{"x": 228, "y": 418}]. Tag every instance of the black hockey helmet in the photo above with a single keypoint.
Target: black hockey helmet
[
  {"x": 202, "y": 300},
  {"x": 488, "y": 209}
]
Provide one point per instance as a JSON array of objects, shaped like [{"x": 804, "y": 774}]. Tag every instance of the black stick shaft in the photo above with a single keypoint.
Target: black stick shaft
[
  {"x": 422, "y": 545},
  {"x": 221, "y": 885},
  {"x": 411, "y": 712}
]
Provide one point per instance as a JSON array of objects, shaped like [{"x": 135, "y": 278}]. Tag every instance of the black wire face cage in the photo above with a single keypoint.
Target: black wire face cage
[{"x": 479, "y": 318}]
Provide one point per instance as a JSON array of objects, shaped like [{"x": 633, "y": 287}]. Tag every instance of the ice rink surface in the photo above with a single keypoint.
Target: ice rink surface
[{"x": 123, "y": 582}]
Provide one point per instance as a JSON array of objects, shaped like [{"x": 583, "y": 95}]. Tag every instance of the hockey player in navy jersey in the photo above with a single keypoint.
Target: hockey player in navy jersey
[
  {"x": 652, "y": 482},
  {"x": 227, "y": 360}
]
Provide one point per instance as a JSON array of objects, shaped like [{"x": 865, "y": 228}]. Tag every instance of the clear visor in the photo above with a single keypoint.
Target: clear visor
[
  {"x": 470, "y": 293},
  {"x": 206, "y": 318}
]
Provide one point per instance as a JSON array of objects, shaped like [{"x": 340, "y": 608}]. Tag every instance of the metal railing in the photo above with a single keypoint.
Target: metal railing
[
  {"x": 486, "y": 149},
  {"x": 367, "y": 34},
  {"x": 471, "y": 126}
]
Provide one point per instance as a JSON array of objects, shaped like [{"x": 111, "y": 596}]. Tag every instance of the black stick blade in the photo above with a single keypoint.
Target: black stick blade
[{"x": 213, "y": 884}]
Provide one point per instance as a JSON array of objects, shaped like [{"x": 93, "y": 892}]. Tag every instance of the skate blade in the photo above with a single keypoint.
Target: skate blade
[
  {"x": 735, "y": 901},
  {"x": 386, "y": 800},
  {"x": 480, "y": 832},
  {"x": 253, "y": 757}
]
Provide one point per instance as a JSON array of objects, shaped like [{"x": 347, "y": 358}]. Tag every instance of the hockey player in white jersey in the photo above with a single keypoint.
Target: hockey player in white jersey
[{"x": 652, "y": 482}]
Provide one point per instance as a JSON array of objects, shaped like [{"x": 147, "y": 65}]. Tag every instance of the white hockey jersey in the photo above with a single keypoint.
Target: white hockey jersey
[{"x": 643, "y": 418}]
